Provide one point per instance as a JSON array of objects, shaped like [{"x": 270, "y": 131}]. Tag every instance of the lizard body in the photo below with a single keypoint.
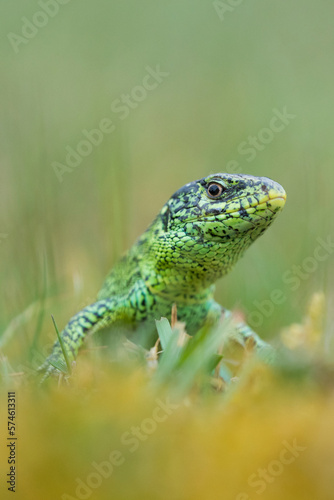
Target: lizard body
[{"x": 197, "y": 237}]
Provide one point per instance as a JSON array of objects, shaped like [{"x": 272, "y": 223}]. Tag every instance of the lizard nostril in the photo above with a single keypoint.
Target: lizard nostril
[{"x": 264, "y": 188}]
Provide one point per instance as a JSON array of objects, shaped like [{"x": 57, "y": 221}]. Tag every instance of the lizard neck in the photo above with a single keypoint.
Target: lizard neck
[{"x": 176, "y": 263}]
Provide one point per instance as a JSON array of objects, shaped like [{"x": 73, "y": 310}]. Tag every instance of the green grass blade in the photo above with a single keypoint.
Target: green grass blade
[
  {"x": 62, "y": 345},
  {"x": 164, "y": 331}
]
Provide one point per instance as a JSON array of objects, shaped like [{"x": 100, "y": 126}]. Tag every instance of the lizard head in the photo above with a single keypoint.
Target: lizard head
[
  {"x": 206, "y": 226},
  {"x": 224, "y": 207}
]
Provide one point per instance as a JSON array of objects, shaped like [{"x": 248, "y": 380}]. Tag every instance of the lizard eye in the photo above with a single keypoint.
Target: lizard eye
[{"x": 214, "y": 190}]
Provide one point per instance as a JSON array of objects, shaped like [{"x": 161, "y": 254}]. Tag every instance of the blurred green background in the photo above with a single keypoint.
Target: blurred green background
[{"x": 227, "y": 73}]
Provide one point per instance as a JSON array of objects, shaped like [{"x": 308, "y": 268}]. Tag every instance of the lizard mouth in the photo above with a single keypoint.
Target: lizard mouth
[
  {"x": 244, "y": 207},
  {"x": 274, "y": 200},
  {"x": 246, "y": 214},
  {"x": 269, "y": 203}
]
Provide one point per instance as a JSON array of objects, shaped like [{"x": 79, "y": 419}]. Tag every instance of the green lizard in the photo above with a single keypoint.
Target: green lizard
[{"x": 197, "y": 237}]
